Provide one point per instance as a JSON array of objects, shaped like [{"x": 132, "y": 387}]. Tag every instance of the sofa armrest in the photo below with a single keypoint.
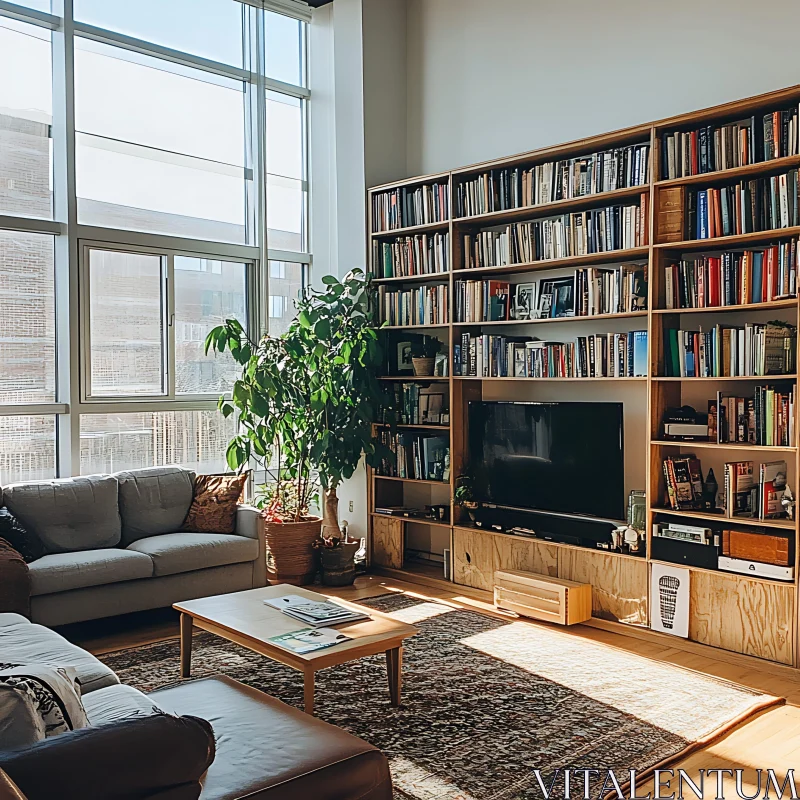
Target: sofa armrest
[
  {"x": 15, "y": 582},
  {"x": 154, "y": 756},
  {"x": 8, "y": 789},
  {"x": 250, "y": 523}
]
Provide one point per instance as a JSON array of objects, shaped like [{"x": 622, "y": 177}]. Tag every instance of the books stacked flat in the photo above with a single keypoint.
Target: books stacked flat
[{"x": 316, "y": 614}]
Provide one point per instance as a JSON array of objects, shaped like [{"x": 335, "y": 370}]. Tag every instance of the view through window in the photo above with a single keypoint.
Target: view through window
[{"x": 188, "y": 170}]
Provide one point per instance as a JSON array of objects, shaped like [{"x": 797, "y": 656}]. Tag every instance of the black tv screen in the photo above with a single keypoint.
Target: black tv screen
[{"x": 565, "y": 457}]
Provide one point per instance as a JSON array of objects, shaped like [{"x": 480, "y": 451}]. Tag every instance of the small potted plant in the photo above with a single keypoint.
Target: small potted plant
[
  {"x": 464, "y": 495},
  {"x": 425, "y": 362}
]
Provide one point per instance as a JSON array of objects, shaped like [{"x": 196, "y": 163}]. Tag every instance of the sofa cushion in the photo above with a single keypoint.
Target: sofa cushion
[
  {"x": 68, "y": 514},
  {"x": 115, "y": 703},
  {"x": 213, "y": 509},
  {"x": 61, "y": 572},
  {"x": 185, "y": 552},
  {"x": 153, "y": 501},
  {"x": 22, "y": 642},
  {"x": 24, "y": 542}
]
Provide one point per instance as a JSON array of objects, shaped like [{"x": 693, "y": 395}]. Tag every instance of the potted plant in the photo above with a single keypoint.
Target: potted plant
[
  {"x": 276, "y": 431},
  {"x": 335, "y": 340},
  {"x": 424, "y": 362},
  {"x": 464, "y": 495}
]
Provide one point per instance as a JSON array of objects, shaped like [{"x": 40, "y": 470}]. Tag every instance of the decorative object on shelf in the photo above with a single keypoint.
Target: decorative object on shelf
[
  {"x": 524, "y": 302},
  {"x": 788, "y": 502},
  {"x": 464, "y": 495},
  {"x": 710, "y": 489},
  {"x": 308, "y": 399},
  {"x": 425, "y": 359},
  {"x": 684, "y": 424},
  {"x": 669, "y": 587},
  {"x": 440, "y": 513}
]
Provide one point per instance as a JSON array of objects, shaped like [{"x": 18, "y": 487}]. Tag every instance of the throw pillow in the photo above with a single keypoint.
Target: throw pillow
[
  {"x": 213, "y": 509},
  {"x": 38, "y": 701},
  {"x": 25, "y": 543}
]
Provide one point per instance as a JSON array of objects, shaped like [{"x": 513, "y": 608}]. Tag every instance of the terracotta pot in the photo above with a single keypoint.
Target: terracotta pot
[
  {"x": 423, "y": 366},
  {"x": 290, "y": 555},
  {"x": 338, "y": 564}
]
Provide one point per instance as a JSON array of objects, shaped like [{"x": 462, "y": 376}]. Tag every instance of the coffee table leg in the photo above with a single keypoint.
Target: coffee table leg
[
  {"x": 308, "y": 691},
  {"x": 394, "y": 669},
  {"x": 186, "y": 645}
]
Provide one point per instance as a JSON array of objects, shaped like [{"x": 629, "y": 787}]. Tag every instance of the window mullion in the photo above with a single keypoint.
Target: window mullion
[{"x": 169, "y": 325}]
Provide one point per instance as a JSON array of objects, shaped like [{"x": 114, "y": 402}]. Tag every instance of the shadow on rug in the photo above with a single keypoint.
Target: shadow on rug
[{"x": 485, "y": 701}]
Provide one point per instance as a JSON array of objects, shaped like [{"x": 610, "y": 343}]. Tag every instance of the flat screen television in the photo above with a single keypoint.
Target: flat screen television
[{"x": 563, "y": 457}]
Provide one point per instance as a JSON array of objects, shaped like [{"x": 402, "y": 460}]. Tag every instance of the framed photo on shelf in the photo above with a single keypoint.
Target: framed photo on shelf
[
  {"x": 525, "y": 301},
  {"x": 545, "y": 306}
]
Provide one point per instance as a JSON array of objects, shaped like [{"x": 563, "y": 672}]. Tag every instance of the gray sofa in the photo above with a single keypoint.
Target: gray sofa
[{"x": 113, "y": 545}]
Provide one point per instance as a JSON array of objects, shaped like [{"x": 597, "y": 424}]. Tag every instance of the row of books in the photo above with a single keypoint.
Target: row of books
[
  {"x": 731, "y": 351},
  {"x": 410, "y": 205},
  {"x": 416, "y": 456},
  {"x": 407, "y": 256},
  {"x": 766, "y": 419},
  {"x": 518, "y": 187},
  {"x": 735, "y": 144},
  {"x": 760, "y": 204},
  {"x": 761, "y": 499},
  {"x": 600, "y": 355},
  {"x": 588, "y": 292},
  {"x": 424, "y": 305},
  {"x": 418, "y": 404},
  {"x": 578, "y": 234},
  {"x": 733, "y": 278}
]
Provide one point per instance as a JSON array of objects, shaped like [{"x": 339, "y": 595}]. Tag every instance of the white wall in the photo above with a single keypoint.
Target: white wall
[{"x": 490, "y": 79}]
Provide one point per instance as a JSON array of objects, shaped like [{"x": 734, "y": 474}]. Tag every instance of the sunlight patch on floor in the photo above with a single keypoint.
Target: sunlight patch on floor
[
  {"x": 657, "y": 693},
  {"x": 416, "y": 781},
  {"x": 419, "y": 612}
]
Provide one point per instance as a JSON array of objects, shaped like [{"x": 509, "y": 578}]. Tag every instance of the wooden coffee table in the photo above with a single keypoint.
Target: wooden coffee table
[{"x": 244, "y": 618}]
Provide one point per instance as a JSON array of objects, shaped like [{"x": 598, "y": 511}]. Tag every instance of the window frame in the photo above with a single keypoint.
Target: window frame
[{"x": 71, "y": 238}]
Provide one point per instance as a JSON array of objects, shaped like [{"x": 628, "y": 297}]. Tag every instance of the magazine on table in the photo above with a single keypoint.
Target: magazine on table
[
  {"x": 316, "y": 614},
  {"x": 308, "y": 640}
]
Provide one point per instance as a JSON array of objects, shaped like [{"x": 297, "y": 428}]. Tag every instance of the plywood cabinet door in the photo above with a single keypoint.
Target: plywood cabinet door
[
  {"x": 745, "y": 616},
  {"x": 619, "y": 585},
  {"x": 525, "y": 555},
  {"x": 473, "y": 558},
  {"x": 387, "y": 542}
]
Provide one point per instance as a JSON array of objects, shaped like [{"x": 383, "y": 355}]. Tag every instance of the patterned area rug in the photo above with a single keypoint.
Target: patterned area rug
[{"x": 485, "y": 701}]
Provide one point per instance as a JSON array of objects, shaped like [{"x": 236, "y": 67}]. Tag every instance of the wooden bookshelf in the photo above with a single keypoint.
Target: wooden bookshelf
[{"x": 742, "y": 614}]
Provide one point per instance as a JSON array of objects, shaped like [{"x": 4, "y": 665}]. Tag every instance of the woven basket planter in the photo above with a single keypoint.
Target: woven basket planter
[{"x": 290, "y": 556}]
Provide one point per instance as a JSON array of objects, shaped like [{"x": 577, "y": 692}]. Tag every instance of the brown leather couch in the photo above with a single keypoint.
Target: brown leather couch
[{"x": 265, "y": 750}]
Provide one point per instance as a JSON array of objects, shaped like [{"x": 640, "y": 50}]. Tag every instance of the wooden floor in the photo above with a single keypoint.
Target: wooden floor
[{"x": 771, "y": 740}]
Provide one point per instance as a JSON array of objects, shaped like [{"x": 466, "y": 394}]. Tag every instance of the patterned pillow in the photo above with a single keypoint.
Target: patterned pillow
[
  {"x": 27, "y": 544},
  {"x": 213, "y": 509},
  {"x": 38, "y": 701}
]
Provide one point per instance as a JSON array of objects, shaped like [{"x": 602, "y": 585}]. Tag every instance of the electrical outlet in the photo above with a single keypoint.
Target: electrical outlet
[{"x": 350, "y": 507}]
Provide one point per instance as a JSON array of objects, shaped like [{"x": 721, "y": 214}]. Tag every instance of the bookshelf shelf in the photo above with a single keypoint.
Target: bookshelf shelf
[
  {"x": 414, "y": 378},
  {"x": 638, "y": 379},
  {"x": 732, "y": 575},
  {"x": 724, "y": 446},
  {"x": 743, "y": 614},
  {"x": 789, "y": 302},
  {"x": 723, "y": 175},
  {"x": 590, "y": 260},
  {"x": 785, "y": 524},
  {"x": 762, "y": 378},
  {"x": 410, "y": 480},
  {"x": 432, "y": 276},
  {"x": 597, "y": 200},
  {"x": 730, "y": 242},
  {"x": 414, "y": 427},
  {"x": 590, "y": 318},
  {"x": 427, "y": 227}
]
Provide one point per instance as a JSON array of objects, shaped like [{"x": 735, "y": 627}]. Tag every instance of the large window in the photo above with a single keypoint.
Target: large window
[{"x": 153, "y": 183}]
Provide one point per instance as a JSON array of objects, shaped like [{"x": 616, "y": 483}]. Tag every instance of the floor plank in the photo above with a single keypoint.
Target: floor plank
[{"x": 770, "y": 740}]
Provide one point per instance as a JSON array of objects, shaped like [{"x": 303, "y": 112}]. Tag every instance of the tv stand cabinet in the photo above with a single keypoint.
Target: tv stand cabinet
[{"x": 739, "y": 615}]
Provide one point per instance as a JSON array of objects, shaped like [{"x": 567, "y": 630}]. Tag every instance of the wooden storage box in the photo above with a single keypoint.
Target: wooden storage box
[
  {"x": 542, "y": 597},
  {"x": 751, "y": 546}
]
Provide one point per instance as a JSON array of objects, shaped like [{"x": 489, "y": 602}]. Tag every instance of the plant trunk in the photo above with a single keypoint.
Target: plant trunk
[{"x": 330, "y": 514}]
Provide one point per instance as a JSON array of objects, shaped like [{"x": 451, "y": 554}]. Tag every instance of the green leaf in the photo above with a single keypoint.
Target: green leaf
[{"x": 330, "y": 280}]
